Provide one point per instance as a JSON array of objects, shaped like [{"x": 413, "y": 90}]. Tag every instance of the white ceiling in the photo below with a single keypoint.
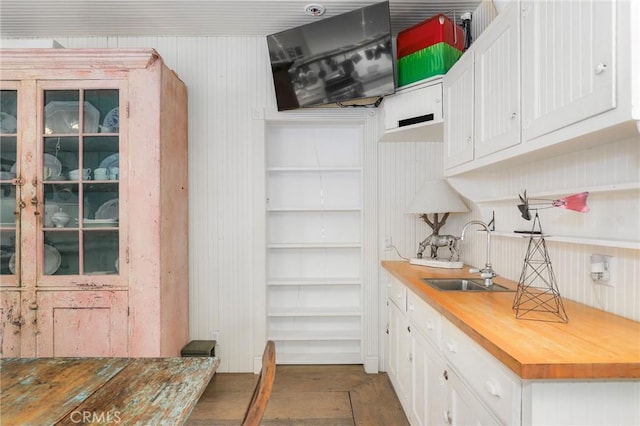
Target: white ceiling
[{"x": 68, "y": 18}]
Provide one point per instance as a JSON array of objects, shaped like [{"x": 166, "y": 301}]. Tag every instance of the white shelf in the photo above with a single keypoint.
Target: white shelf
[
  {"x": 432, "y": 131},
  {"x": 320, "y": 358},
  {"x": 631, "y": 186},
  {"x": 313, "y": 210},
  {"x": 314, "y": 169},
  {"x": 314, "y": 245},
  {"x": 303, "y": 311},
  {"x": 314, "y": 335},
  {"x": 634, "y": 245},
  {"x": 321, "y": 281}
]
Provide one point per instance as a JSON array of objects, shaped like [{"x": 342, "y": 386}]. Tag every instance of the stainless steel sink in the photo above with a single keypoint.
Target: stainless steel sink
[{"x": 462, "y": 284}]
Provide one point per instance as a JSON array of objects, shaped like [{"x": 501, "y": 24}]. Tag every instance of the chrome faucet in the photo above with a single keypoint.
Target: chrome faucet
[{"x": 487, "y": 273}]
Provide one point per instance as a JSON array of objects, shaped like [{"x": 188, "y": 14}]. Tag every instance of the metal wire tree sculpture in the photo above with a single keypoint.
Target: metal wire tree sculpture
[{"x": 537, "y": 296}]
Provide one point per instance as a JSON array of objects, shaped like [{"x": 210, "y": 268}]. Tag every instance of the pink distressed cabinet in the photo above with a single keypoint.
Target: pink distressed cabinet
[{"x": 93, "y": 204}]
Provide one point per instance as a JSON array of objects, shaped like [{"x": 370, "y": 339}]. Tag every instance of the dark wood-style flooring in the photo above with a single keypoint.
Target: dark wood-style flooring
[{"x": 303, "y": 395}]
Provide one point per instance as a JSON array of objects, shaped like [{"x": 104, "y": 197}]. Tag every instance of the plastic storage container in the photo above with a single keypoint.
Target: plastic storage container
[
  {"x": 438, "y": 29},
  {"x": 425, "y": 63}
]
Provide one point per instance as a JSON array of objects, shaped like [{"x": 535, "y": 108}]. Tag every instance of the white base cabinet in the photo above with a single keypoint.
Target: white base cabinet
[
  {"x": 442, "y": 376},
  {"x": 427, "y": 386}
]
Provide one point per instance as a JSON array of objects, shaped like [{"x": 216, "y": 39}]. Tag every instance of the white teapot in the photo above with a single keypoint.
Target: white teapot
[{"x": 60, "y": 218}]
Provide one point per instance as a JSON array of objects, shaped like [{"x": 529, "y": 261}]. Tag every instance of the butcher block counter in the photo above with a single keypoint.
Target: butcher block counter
[{"x": 593, "y": 345}]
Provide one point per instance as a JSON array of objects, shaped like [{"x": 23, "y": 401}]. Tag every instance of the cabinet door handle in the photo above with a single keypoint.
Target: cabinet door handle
[
  {"x": 600, "y": 68},
  {"x": 446, "y": 417},
  {"x": 492, "y": 388},
  {"x": 34, "y": 197},
  {"x": 513, "y": 115}
]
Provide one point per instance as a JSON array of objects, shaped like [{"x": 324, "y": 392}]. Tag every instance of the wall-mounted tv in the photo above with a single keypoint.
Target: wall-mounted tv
[{"x": 336, "y": 59}]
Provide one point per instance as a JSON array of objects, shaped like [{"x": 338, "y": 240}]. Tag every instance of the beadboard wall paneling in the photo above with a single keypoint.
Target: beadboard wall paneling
[
  {"x": 403, "y": 168},
  {"x": 228, "y": 79},
  {"x": 614, "y": 164}
]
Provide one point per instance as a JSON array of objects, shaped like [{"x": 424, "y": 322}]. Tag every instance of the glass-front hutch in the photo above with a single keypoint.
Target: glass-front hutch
[{"x": 65, "y": 165}]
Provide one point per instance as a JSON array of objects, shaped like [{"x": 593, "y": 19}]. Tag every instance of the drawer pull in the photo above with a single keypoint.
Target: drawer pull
[
  {"x": 492, "y": 388},
  {"x": 451, "y": 346}
]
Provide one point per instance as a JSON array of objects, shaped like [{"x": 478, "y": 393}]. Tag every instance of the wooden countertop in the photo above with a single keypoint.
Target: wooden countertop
[
  {"x": 102, "y": 390},
  {"x": 593, "y": 345}
]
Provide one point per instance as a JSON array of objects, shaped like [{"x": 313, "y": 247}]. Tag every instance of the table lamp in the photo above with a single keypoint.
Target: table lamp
[{"x": 437, "y": 198}]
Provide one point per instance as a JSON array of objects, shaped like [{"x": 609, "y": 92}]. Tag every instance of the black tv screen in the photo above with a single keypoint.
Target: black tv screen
[{"x": 337, "y": 59}]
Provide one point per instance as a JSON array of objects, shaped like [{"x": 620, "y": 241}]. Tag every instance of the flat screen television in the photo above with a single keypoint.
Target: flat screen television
[{"x": 336, "y": 59}]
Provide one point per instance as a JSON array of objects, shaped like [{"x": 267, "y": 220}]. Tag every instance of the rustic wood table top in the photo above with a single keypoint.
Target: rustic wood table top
[{"x": 39, "y": 391}]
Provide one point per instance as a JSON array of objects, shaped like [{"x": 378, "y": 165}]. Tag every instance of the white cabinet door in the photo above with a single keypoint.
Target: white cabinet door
[
  {"x": 458, "y": 112},
  {"x": 568, "y": 63},
  {"x": 429, "y": 396},
  {"x": 497, "y": 88},
  {"x": 398, "y": 364},
  {"x": 465, "y": 408}
]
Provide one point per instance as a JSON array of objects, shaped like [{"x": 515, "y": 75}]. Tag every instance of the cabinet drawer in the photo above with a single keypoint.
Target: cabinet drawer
[
  {"x": 485, "y": 375},
  {"x": 397, "y": 293},
  {"x": 424, "y": 317}
]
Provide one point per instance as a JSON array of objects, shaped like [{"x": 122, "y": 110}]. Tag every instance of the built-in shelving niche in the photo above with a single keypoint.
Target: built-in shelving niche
[{"x": 314, "y": 242}]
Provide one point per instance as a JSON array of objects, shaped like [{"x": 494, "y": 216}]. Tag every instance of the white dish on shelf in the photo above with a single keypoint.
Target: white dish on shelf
[
  {"x": 109, "y": 210},
  {"x": 112, "y": 120},
  {"x": 111, "y": 161},
  {"x": 8, "y": 123},
  {"x": 96, "y": 223},
  {"x": 54, "y": 165},
  {"x": 64, "y": 117},
  {"x": 52, "y": 260}
]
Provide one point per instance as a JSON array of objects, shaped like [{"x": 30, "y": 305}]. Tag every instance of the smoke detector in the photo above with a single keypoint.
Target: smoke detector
[{"x": 314, "y": 9}]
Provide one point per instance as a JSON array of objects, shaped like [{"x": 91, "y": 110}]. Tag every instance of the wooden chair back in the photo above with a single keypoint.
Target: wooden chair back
[{"x": 262, "y": 391}]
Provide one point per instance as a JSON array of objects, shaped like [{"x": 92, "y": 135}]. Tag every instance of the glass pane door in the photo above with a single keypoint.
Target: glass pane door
[
  {"x": 80, "y": 175},
  {"x": 8, "y": 151}
]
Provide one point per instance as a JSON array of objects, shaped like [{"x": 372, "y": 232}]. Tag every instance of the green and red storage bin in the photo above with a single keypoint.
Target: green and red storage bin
[{"x": 427, "y": 49}]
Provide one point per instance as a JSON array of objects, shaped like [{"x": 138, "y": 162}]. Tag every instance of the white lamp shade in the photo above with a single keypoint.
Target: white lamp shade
[{"x": 436, "y": 196}]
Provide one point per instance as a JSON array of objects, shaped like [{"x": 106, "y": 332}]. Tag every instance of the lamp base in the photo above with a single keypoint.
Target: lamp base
[{"x": 437, "y": 263}]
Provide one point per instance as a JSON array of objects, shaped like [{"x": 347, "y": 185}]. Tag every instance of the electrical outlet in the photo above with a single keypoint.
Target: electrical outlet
[{"x": 388, "y": 242}]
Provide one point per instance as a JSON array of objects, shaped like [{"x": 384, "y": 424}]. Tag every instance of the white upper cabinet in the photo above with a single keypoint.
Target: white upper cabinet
[
  {"x": 497, "y": 88},
  {"x": 549, "y": 77},
  {"x": 458, "y": 111},
  {"x": 568, "y": 63},
  {"x": 414, "y": 113}
]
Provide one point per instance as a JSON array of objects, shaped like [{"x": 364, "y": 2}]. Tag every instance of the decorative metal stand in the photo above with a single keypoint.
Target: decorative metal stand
[{"x": 537, "y": 296}]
